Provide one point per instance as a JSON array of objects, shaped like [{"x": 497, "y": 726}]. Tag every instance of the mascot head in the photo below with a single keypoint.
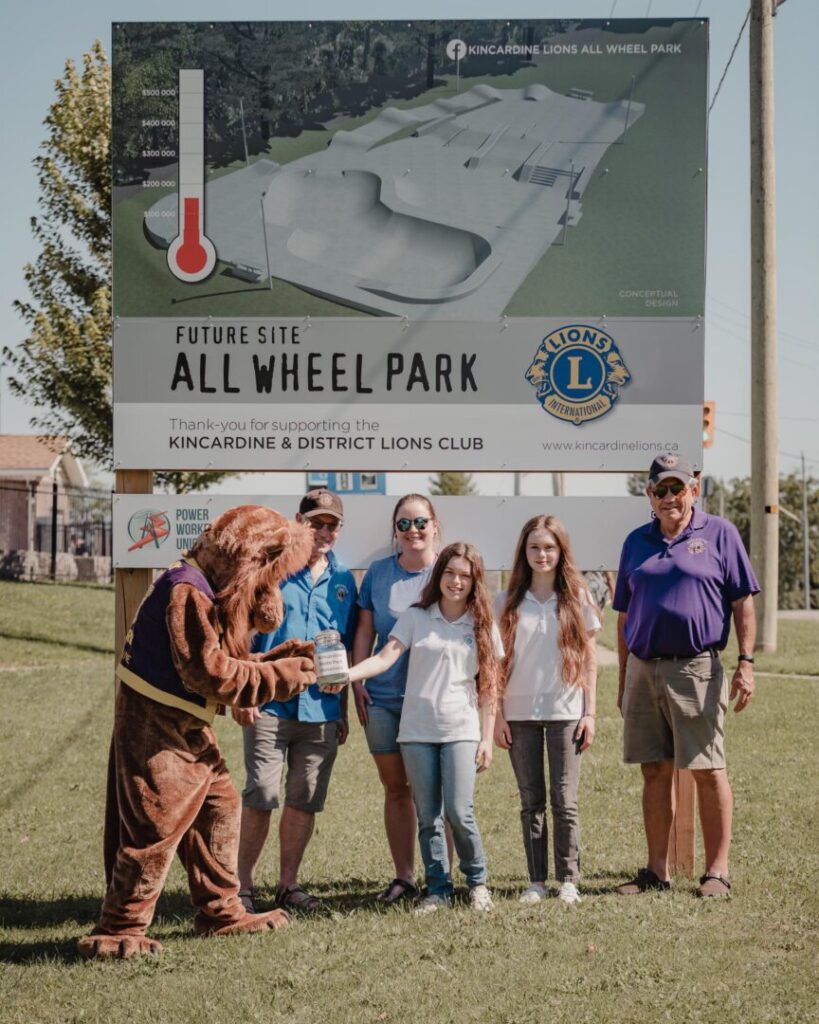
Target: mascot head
[{"x": 246, "y": 553}]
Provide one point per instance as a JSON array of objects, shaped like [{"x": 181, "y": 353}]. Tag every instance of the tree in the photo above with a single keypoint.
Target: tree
[
  {"x": 64, "y": 365},
  {"x": 636, "y": 484},
  {"x": 452, "y": 483},
  {"x": 737, "y": 506}
]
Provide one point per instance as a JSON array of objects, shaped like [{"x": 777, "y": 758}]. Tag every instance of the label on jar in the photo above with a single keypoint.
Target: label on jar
[{"x": 332, "y": 663}]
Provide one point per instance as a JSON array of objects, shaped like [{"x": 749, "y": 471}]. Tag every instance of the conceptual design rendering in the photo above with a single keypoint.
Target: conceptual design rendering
[{"x": 437, "y": 212}]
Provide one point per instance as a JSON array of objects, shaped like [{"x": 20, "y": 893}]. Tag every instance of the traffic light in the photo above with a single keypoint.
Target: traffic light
[{"x": 709, "y": 415}]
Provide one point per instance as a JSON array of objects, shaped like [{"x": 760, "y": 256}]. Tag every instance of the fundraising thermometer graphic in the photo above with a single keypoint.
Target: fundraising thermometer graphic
[{"x": 191, "y": 255}]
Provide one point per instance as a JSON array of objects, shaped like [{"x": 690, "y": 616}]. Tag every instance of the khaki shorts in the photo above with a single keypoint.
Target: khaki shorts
[
  {"x": 674, "y": 709},
  {"x": 307, "y": 748}
]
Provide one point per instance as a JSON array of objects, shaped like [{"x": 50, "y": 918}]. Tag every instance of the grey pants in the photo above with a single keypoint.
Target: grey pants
[{"x": 564, "y": 775}]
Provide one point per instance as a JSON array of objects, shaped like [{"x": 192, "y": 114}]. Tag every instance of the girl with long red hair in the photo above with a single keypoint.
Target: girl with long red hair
[
  {"x": 454, "y": 647},
  {"x": 548, "y": 690}
]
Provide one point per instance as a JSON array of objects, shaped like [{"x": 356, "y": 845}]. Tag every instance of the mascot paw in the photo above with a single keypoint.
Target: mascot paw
[
  {"x": 293, "y": 648},
  {"x": 120, "y": 947},
  {"x": 271, "y": 920}
]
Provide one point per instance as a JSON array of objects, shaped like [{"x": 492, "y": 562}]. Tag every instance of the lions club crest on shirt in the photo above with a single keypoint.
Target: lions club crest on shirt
[{"x": 577, "y": 373}]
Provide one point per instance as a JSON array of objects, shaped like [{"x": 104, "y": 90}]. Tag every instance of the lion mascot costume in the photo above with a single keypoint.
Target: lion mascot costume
[{"x": 169, "y": 791}]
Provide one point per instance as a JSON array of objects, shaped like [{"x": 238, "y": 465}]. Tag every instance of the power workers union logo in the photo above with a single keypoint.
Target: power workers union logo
[
  {"x": 578, "y": 372},
  {"x": 148, "y": 526}
]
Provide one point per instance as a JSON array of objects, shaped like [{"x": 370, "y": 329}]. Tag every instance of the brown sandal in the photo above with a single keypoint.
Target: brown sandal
[{"x": 713, "y": 886}]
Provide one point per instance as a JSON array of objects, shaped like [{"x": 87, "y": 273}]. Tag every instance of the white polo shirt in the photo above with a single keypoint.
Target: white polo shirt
[
  {"x": 536, "y": 690},
  {"x": 441, "y": 699}
]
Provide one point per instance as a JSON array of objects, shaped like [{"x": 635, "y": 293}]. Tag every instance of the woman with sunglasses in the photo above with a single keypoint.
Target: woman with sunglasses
[
  {"x": 390, "y": 586},
  {"x": 548, "y": 686},
  {"x": 453, "y": 647}
]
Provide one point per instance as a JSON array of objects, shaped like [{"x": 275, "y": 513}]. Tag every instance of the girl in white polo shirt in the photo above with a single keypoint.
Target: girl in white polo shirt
[
  {"x": 548, "y": 687},
  {"x": 454, "y": 648}
]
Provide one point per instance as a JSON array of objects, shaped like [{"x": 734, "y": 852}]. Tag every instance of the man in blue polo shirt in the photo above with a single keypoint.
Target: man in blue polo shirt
[
  {"x": 682, "y": 578},
  {"x": 304, "y": 733}
]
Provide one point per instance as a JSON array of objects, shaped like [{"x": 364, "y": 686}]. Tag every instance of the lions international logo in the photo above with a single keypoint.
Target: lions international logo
[
  {"x": 148, "y": 526},
  {"x": 578, "y": 372},
  {"x": 696, "y": 546},
  {"x": 341, "y": 593}
]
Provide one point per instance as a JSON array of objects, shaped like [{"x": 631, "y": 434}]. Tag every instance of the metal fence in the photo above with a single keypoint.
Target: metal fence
[{"x": 49, "y": 530}]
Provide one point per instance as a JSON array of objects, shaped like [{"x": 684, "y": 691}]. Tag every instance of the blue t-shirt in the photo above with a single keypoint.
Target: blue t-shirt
[
  {"x": 387, "y": 590},
  {"x": 329, "y": 603},
  {"x": 678, "y": 593}
]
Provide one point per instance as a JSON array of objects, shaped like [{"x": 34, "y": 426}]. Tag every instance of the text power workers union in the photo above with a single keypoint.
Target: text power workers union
[{"x": 191, "y": 255}]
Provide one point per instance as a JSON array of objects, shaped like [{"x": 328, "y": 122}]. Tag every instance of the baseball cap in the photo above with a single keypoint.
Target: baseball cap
[
  {"x": 668, "y": 466},
  {"x": 321, "y": 502}
]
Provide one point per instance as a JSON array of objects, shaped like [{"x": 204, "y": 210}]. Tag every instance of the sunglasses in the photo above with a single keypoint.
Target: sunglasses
[
  {"x": 661, "y": 490},
  {"x": 325, "y": 524},
  {"x": 419, "y": 522}
]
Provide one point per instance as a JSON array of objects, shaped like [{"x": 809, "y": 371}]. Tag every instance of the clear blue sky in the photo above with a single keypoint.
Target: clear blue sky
[{"x": 39, "y": 36}]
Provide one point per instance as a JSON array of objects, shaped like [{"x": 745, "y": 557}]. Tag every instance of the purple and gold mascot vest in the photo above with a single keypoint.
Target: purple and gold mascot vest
[{"x": 147, "y": 664}]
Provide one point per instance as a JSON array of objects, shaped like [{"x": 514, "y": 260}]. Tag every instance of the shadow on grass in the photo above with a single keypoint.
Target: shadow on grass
[
  {"x": 8, "y": 634},
  {"x": 593, "y": 883},
  {"x": 174, "y": 918},
  {"x": 349, "y": 896},
  {"x": 36, "y": 952}
]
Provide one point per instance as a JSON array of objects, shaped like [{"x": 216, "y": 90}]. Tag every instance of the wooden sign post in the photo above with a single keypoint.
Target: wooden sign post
[
  {"x": 129, "y": 584},
  {"x": 682, "y": 847}
]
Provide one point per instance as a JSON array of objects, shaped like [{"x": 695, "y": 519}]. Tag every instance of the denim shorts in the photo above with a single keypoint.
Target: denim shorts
[{"x": 382, "y": 729}]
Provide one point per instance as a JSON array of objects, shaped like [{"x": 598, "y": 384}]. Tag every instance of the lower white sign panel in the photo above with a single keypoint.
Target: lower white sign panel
[{"x": 152, "y": 530}]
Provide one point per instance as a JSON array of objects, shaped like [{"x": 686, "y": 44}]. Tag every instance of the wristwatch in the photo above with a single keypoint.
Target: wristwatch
[{"x": 746, "y": 657}]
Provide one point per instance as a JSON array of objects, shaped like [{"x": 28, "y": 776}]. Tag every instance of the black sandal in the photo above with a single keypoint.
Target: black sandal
[
  {"x": 397, "y": 891},
  {"x": 297, "y": 900}
]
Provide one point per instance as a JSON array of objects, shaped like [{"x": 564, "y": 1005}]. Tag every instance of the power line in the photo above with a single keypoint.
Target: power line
[
  {"x": 790, "y": 455},
  {"x": 805, "y": 345},
  {"x": 722, "y": 328},
  {"x": 796, "y": 338},
  {"x": 725, "y": 72},
  {"x": 746, "y": 415}
]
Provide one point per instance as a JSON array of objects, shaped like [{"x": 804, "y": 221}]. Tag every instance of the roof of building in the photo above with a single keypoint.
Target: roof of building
[{"x": 33, "y": 456}]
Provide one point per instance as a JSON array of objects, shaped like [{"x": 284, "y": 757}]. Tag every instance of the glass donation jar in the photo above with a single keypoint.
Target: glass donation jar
[{"x": 331, "y": 659}]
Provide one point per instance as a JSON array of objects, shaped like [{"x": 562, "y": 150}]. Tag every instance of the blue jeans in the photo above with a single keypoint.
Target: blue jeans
[{"x": 442, "y": 776}]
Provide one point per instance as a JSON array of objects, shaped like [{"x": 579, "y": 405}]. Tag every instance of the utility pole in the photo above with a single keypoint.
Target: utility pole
[
  {"x": 805, "y": 535},
  {"x": 764, "y": 433}
]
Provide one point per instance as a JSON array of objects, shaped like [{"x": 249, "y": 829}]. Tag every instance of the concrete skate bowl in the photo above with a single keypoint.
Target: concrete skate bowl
[{"x": 337, "y": 221}]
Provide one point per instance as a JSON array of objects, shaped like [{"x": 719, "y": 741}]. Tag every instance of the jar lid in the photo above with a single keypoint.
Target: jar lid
[{"x": 328, "y": 636}]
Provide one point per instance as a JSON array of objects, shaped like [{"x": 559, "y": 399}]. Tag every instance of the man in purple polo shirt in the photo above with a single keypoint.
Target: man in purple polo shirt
[{"x": 682, "y": 578}]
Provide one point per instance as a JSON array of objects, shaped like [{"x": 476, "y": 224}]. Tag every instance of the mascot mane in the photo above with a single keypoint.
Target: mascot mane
[{"x": 246, "y": 554}]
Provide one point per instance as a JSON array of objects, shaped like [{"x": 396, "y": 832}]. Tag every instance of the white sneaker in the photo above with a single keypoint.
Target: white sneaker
[
  {"x": 568, "y": 893},
  {"x": 534, "y": 894},
  {"x": 429, "y": 904},
  {"x": 480, "y": 898}
]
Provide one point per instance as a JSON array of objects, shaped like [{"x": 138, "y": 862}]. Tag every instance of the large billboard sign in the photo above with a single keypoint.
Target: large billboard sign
[{"x": 426, "y": 245}]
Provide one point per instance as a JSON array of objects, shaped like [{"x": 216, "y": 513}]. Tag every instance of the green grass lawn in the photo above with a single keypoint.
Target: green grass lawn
[
  {"x": 797, "y": 647},
  {"x": 658, "y": 958}
]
